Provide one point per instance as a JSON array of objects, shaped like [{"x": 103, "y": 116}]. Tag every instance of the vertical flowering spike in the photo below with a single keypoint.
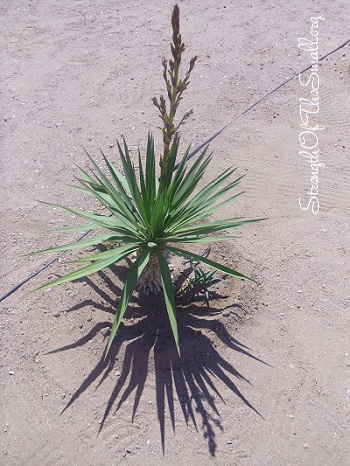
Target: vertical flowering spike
[{"x": 175, "y": 88}]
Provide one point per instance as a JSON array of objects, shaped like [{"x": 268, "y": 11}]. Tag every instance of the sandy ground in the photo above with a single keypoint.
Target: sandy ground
[{"x": 265, "y": 375}]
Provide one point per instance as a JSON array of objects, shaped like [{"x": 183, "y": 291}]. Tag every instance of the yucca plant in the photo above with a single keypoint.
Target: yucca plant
[{"x": 150, "y": 216}]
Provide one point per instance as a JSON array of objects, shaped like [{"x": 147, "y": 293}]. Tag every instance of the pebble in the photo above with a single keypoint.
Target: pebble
[
  {"x": 11, "y": 373},
  {"x": 306, "y": 445}
]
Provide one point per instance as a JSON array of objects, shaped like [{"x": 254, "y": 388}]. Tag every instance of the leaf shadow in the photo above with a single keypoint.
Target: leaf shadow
[{"x": 191, "y": 380}]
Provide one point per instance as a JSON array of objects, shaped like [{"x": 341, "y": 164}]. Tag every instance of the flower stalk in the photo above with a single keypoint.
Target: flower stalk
[{"x": 175, "y": 89}]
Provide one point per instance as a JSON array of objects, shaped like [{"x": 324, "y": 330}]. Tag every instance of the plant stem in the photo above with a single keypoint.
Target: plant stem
[{"x": 175, "y": 88}]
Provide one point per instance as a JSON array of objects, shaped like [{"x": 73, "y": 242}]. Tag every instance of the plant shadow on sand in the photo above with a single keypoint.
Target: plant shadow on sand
[{"x": 191, "y": 381}]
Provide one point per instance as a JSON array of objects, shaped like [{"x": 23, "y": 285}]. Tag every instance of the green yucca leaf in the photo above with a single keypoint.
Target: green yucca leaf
[
  {"x": 191, "y": 217},
  {"x": 115, "y": 205},
  {"x": 208, "y": 195},
  {"x": 147, "y": 194},
  {"x": 199, "y": 239},
  {"x": 169, "y": 297},
  {"x": 215, "y": 265},
  {"x": 121, "y": 184},
  {"x": 119, "y": 195},
  {"x": 117, "y": 176},
  {"x": 90, "y": 179},
  {"x": 131, "y": 180},
  {"x": 212, "y": 227},
  {"x": 143, "y": 189},
  {"x": 205, "y": 198},
  {"x": 87, "y": 226},
  {"x": 101, "y": 221},
  {"x": 80, "y": 244},
  {"x": 129, "y": 286},
  {"x": 190, "y": 180},
  {"x": 219, "y": 206},
  {"x": 90, "y": 269},
  {"x": 110, "y": 253},
  {"x": 180, "y": 172},
  {"x": 170, "y": 164},
  {"x": 151, "y": 179}
]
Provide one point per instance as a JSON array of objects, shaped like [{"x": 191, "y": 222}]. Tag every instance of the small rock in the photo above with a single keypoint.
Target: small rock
[
  {"x": 306, "y": 445},
  {"x": 11, "y": 373},
  {"x": 56, "y": 314}
]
